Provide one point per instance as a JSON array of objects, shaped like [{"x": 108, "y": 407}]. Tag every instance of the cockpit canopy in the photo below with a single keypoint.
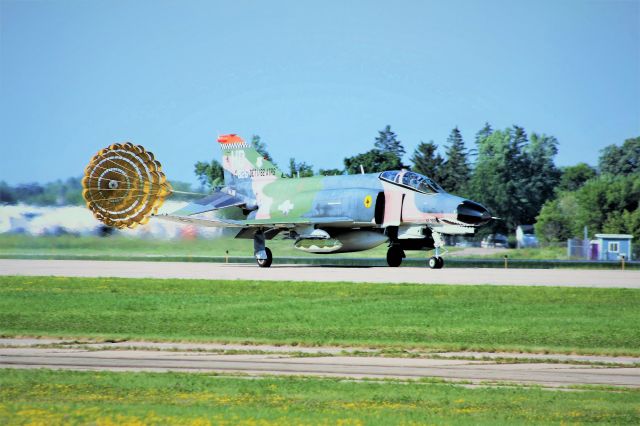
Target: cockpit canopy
[{"x": 411, "y": 180}]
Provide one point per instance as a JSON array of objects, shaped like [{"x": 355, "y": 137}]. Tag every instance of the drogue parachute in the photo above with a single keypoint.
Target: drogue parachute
[{"x": 124, "y": 185}]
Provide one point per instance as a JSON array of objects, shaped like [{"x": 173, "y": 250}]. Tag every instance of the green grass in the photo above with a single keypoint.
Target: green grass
[
  {"x": 541, "y": 253},
  {"x": 57, "y": 397},
  {"x": 531, "y": 319}
]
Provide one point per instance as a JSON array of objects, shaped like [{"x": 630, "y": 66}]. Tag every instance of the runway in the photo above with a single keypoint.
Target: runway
[
  {"x": 217, "y": 271},
  {"x": 355, "y": 367}
]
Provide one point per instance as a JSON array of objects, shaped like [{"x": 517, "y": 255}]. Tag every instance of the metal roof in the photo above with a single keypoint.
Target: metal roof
[{"x": 615, "y": 236}]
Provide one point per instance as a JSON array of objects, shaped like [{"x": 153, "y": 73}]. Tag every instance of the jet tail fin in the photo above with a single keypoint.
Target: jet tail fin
[{"x": 243, "y": 163}]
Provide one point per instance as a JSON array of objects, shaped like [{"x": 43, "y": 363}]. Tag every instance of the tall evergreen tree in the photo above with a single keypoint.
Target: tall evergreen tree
[
  {"x": 456, "y": 169},
  {"x": 483, "y": 133},
  {"x": 387, "y": 155},
  {"x": 299, "y": 169},
  {"x": 261, "y": 147},
  {"x": 387, "y": 141},
  {"x": 372, "y": 161},
  {"x": 427, "y": 161}
]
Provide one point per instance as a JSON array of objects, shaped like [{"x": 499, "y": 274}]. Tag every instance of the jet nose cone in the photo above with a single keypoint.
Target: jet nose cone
[{"x": 472, "y": 213}]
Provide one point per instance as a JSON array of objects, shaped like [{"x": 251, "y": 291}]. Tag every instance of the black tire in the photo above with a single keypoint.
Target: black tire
[
  {"x": 394, "y": 256},
  {"x": 265, "y": 263},
  {"x": 440, "y": 263},
  {"x": 433, "y": 263}
]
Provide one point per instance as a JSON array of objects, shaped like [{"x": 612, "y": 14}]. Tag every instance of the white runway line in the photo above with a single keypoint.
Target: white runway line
[{"x": 217, "y": 271}]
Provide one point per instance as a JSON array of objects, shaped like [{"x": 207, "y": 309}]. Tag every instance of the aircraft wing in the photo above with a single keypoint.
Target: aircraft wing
[
  {"x": 259, "y": 223},
  {"x": 216, "y": 201},
  {"x": 215, "y": 223}
]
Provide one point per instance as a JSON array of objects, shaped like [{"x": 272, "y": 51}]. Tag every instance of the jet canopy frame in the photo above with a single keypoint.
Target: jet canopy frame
[{"x": 411, "y": 180}]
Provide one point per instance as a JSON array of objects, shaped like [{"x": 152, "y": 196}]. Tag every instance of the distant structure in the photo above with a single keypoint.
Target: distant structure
[
  {"x": 526, "y": 236},
  {"x": 611, "y": 247}
]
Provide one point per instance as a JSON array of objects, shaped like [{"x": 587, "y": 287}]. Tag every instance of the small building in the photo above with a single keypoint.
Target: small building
[{"x": 611, "y": 247}]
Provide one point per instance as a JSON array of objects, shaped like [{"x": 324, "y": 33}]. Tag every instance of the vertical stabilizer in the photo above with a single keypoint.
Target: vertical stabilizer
[{"x": 242, "y": 163}]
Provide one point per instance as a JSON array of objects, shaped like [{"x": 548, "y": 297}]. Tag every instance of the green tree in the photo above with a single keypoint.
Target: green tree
[
  {"x": 513, "y": 176},
  {"x": 261, "y": 147},
  {"x": 606, "y": 203},
  {"x": 387, "y": 155},
  {"x": 373, "y": 161},
  {"x": 209, "y": 175},
  {"x": 555, "y": 221},
  {"x": 330, "y": 172},
  {"x": 483, "y": 133},
  {"x": 606, "y": 195},
  {"x": 7, "y": 194},
  {"x": 456, "y": 169},
  {"x": 541, "y": 174},
  {"x": 573, "y": 177},
  {"x": 302, "y": 169},
  {"x": 427, "y": 161},
  {"x": 621, "y": 160},
  {"x": 387, "y": 142}
]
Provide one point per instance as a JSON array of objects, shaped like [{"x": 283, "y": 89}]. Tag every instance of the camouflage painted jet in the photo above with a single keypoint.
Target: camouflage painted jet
[{"x": 331, "y": 214}]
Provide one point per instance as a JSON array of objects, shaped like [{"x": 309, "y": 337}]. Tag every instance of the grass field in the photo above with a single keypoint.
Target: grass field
[
  {"x": 530, "y": 319},
  {"x": 50, "y": 397}
]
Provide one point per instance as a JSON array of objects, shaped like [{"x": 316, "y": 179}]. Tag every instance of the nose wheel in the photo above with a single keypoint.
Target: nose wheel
[{"x": 435, "y": 262}]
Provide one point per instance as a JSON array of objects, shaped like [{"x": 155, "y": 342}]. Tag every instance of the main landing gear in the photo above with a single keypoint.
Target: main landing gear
[
  {"x": 266, "y": 262},
  {"x": 395, "y": 254},
  {"x": 263, "y": 255}
]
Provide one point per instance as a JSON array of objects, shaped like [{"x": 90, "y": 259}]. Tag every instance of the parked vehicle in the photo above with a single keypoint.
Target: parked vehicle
[
  {"x": 526, "y": 237},
  {"x": 495, "y": 240}
]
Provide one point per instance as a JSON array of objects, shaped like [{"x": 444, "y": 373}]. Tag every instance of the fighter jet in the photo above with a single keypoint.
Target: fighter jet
[{"x": 331, "y": 214}]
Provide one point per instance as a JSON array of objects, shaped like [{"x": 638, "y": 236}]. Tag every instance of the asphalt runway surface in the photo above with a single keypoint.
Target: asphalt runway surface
[
  {"x": 107, "y": 358},
  {"x": 217, "y": 271}
]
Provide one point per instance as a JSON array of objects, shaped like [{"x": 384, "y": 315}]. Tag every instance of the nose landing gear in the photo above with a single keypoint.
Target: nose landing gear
[{"x": 435, "y": 262}]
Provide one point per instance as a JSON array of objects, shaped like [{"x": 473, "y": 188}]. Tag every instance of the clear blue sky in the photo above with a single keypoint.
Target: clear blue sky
[{"x": 316, "y": 81}]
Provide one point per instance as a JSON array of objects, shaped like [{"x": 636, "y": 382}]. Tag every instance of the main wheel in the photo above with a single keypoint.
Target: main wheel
[
  {"x": 394, "y": 256},
  {"x": 440, "y": 263},
  {"x": 265, "y": 263}
]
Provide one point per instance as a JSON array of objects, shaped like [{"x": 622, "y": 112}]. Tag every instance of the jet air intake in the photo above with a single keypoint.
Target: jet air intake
[{"x": 472, "y": 213}]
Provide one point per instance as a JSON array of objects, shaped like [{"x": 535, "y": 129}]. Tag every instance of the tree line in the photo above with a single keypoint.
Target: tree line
[{"x": 510, "y": 171}]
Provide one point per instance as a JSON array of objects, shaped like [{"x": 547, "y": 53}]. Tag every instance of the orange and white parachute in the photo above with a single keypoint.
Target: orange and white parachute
[{"x": 124, "y": 185}]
